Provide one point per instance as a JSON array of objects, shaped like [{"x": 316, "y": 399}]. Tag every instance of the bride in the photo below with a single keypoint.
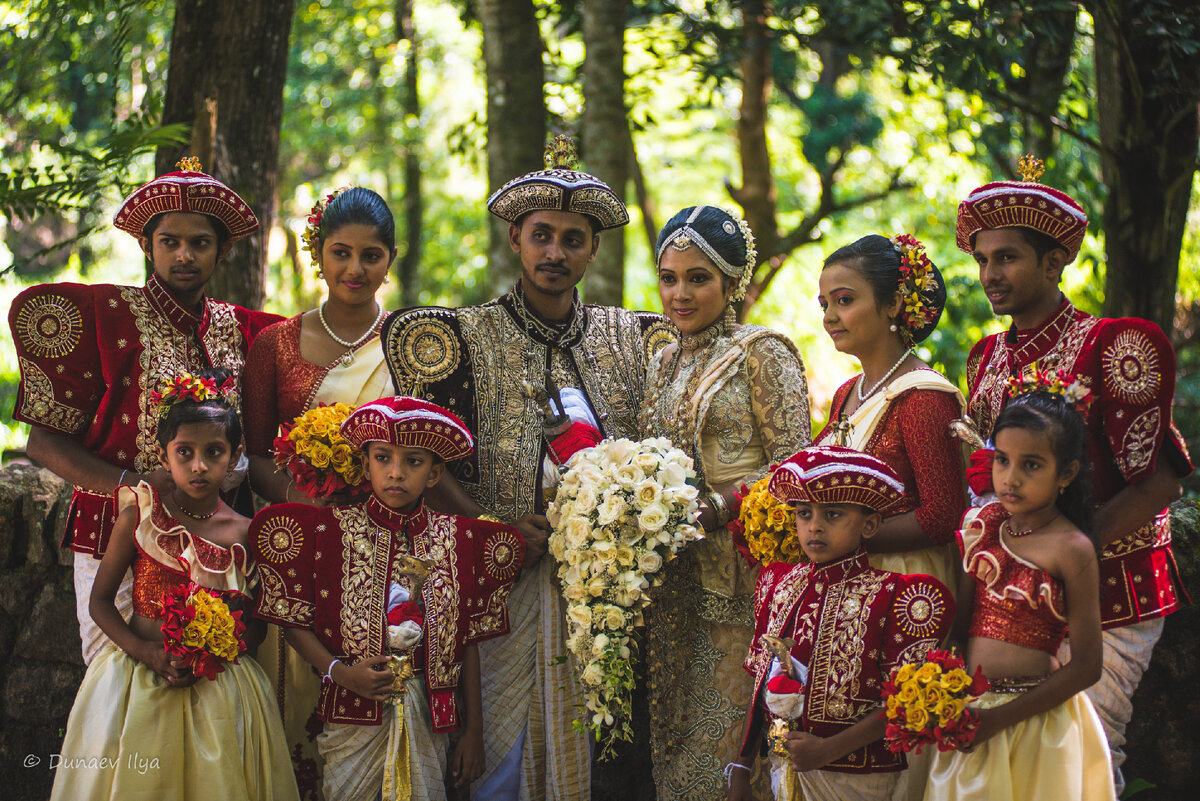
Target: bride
[{"x": 735, "y": 398}]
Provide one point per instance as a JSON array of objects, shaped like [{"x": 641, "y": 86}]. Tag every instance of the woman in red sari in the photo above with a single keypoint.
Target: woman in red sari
[{"x": 331, "y": 354}]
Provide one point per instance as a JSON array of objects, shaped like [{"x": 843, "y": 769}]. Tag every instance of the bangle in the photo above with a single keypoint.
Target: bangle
[
  {"x": 719, "y": 507},
  {"x": 729, "y": 771},
  {"x": 328, "y": 677}
]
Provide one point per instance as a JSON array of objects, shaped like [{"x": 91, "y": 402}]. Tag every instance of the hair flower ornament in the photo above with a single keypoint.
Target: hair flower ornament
[
  {"x": 312, "y": 232},
  {"x": 188, "y": 387},
  {"x": 1056, "y": 382},
  {"x": 916, "y": 279}
]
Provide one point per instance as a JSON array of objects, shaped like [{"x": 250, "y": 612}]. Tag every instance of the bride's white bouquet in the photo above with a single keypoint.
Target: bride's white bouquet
[{"x": 622, "y": 510}]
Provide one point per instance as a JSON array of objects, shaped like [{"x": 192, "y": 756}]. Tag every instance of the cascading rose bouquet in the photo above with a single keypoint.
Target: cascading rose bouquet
[
  {"x": 314, "y": 454},
  {"x": 622, "y": 510},
  {"x": 198, "y": 626},
  {"x": 927, "y": 703},
  {"x": 765, "y": 531}
]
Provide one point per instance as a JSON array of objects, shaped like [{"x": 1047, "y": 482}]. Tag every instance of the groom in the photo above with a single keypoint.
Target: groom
[{"x": 473, "y": 361}]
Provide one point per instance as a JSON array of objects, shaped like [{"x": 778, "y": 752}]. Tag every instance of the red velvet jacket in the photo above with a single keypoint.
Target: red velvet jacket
[
  {"x": 852, "y": 625},
  {"x": 90, "y": 355},
  {"x": 1130, "y": 368},
  {"x": 328, "y": 570}
]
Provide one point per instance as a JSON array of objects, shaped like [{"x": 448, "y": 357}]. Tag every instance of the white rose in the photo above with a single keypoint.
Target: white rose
[
  {"x": 585, "y": 501},
  {"x": 672, "y": 475},
  {"x": 649, "y": 562},
  {"x": 580, "y": 614},
  {"x": 605, "y": 552},
  {"x": 557, "y": 547},
  {"x": 593, "y": 674},
  {"x": 648, "y": 463},
  {"x": 574, "y": 592},
  {"x": 599, "y": 644},
  {"x": 652, "y": 518},
  {"x": 614, "y": 618},
  {"x": 647, "y": 492},
  {"x": 578, "y": 531},
  {"x": 628, "y": 476},
  {"x": 625, "y": 556},
  {"x": 620, "y": 450},
  {"x": 596, "y": 585},
  {"x": 610, "y": 509}
]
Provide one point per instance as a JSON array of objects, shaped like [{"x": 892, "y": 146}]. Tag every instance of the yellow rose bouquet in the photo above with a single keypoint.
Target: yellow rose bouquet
[
  {"x": 198, "y": 626},
  {"x": 314, "y": 454},
  {"x": 622, "y": 510},
  {"x": 927, "y": 703},
  {"x": 765, "y": 531}
]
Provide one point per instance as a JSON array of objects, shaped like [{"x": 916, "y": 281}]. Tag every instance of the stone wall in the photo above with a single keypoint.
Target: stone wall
[
  {"x": 41, "y": 666},
  {"x": 40, "y": 661}
]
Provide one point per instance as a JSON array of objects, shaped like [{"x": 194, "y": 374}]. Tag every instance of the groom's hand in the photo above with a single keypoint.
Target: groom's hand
[{"x": 536, "y": 530}]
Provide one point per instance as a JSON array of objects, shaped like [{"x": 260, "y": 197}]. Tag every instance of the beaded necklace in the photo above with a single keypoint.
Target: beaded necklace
[
  {"x": 679, "y": 426},
  {"x": 555, "y": 336}
]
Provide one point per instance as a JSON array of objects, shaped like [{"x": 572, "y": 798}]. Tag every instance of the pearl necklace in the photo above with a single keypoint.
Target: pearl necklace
[
  {"x": 348, "y": 357},
  {"x": 858, "y": 387}
]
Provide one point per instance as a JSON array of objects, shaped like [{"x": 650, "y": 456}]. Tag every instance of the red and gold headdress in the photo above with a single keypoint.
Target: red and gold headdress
[
  {"x": 1022, "y": 204},
  {"x": 188, "y": 387},
  {"x": 559, "y": 187},
  {"x": 833, "y": 474},
  {"x": 187, "y": 190},
  {"x": 917, "y": 277},
  {"x": 312, "y": 232},
  {"x": 410, "y": 423},
  {"x": 1055, "y": 382}
]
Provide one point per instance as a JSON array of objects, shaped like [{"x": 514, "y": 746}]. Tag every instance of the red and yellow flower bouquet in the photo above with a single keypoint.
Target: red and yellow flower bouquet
[
  {"x": 316, "y": 456},
  {"x": 198, "y": 626},
  {"x": 927, "y": 703}
]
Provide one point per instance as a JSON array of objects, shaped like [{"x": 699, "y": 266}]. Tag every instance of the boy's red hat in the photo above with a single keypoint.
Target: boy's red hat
[
  {"x": 409, "y": 423},
  {"x": 187, "y": 190},
  {"x": 833, "y": 474}
]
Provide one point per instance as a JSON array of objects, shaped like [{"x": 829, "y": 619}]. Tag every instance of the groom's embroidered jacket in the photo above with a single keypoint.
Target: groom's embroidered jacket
[
  {"x": 473, "y": 360},
  {"x": 1130, "y": 368},
  {"x": 329, "y": 570},
  {"x": 91, "y": 354},
  {"x": 852, "y": 625}
]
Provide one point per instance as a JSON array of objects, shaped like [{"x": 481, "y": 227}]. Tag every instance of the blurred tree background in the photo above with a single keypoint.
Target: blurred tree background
[{"x": 820, "y": 121}]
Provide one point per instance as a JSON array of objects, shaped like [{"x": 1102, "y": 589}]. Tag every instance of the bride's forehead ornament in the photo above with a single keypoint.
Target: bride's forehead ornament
[{"x": 688, "y": 236}]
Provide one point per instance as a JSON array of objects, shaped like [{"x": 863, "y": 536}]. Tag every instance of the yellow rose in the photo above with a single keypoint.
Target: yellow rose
[
  {"x": 927, "y": 672},
  {"x": 917, "y": 718},
  {"x": 905, "y": 673},
  {"x": 194, "y": 635},
  {"x": 908, "y": 693},
  {"x": 319, "y": 455},
  {"x": 955, "y": 681},
  {"x": 778, "y": 517},
  {"x": 934, "y": 695}
]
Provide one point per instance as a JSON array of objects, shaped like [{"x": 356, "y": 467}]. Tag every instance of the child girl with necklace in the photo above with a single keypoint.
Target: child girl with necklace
[
  {"x": 1032, "y": 573},
  {"x": 144, "y": 725}
]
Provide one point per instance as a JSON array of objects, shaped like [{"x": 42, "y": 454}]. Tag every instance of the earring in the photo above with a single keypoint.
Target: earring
[
  {"x": 892, "y": 328},
  {"x": 387, "y": 278},
  {"x": 1061, "y": 490},
  {"x": 320, "y": 273}
]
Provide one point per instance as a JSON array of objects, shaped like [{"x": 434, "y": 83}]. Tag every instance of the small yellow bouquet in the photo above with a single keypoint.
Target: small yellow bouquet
[
  {"x": 315, "y": 455},
  {"x": 765, "y": 531},
  {"x": 927, "y": 703},
  {"x": 199, "y": 627}
]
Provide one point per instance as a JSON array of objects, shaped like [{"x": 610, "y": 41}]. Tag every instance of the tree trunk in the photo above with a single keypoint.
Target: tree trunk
[
  {"x": 1150, "y": 137},
  {"x": 1047, "y": 60},
  {"x": 605, "y": 134},
  {"x": 516, "y": 112},
  {"x": 226, "y": 75},
  {"x": 756, "y": 195},
  {"x": 410, "y": 258}
]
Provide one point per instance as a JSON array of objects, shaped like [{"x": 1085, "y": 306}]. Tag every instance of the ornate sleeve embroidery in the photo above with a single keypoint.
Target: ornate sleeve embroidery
[
  {"x": 778, "y": 401},
  {"x": 496, "y": 563},
  {"x": 260, "y": 404},
  {"x": 935, "y": 456},
  {"x": 281, "y": 542},
  {"x": 920, "y": 617},
  {"x": 1138, "y": 368},
  {"x": 54, "y": 331}
]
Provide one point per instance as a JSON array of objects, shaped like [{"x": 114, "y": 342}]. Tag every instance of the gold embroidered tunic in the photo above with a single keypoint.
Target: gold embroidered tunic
[{"x": 741, "y": 400}]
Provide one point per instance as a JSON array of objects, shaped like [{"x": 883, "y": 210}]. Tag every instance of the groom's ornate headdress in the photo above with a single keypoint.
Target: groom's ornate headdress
[
  {"x": 559, "y": 187},
  {"x": 187, "y": 190}
]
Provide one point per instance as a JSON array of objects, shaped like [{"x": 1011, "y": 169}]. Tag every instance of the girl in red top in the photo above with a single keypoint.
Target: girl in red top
[
  {"x": 1032, "y": 572},
  {"x": 144, "y": 725}
]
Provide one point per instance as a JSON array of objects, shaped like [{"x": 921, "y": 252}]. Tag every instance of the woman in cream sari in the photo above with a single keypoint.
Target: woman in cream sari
[
  {"x": 735, "y": 398},
  {"x": 331, "y": 354},
  {"x": 880, "y": 297}
]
